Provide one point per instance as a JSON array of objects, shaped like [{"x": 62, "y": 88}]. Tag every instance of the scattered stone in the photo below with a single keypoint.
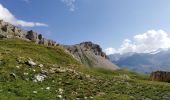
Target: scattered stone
[
  {"x": 13, "y": 75},
  {"x": 60, "y": 96},
  {"x": 87, "y": 76},
  {"x": 41, "y": 65},
  {"x": 30, "y": 63},
  {"x": 91, "y": 97},
  {"x": 44, "y": 72},
  {"x": 18, "y": 67},
  {"x": 35, "y": 92},
  {"x": 21, "y": 60},
  {"x": 39, "y": 78},
  {"x": 25, "y": 73},
  {"x": 60, "y": 90},
  {"x": 47, "y": 88}
]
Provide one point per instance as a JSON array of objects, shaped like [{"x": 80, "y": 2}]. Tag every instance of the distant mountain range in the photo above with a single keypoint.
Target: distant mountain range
[{"x": 143, "y": 62}]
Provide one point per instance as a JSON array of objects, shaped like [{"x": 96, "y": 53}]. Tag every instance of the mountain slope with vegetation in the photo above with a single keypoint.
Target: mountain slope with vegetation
[
  {"x": 36, "y": 72},
  {"x": 35, "y": 68}
]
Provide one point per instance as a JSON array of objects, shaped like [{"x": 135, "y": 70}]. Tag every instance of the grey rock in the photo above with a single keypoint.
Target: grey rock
[
  {"x": 31, "y": 63},
  {"x": 32, "y": 36},
  {"x": 39, "y": 78}
]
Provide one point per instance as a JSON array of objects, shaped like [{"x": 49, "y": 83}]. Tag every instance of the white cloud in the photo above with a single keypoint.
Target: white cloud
[
  {"x": 70, "y": 4},
  {"x": 7, "y": 16},
  {"x": 149, "y": 41}
]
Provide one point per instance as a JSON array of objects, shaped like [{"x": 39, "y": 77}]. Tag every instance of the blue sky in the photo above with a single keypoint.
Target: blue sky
[{"x": 105, "y": 22}]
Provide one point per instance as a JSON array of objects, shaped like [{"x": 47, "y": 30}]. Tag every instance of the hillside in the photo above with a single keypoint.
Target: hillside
[
  {"x": 32, "y": 72},
  {"x": 35, "y": 68},
  {"x": 143, "y": 62},
  {"x": 87, "y": 53}
]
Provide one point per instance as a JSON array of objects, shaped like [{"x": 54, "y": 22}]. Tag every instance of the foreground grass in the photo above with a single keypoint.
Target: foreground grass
[{"x": 77, "y": 82}]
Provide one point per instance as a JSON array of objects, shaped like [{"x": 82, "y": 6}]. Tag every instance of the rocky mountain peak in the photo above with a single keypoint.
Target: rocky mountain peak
[
  {"x": 91, "y": 55},
  {"x": 95, "y": 48}
]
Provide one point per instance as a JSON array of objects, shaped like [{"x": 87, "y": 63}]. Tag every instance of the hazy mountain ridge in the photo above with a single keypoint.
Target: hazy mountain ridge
[{"x": 144, "y": 62}]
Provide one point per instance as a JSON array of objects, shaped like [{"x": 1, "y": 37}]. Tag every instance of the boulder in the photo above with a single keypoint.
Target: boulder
[
  {"x": 39, "y": 78},
  {"x": 160, "y": 76},
  {"x": 31, "y": 63},
  {"x": 32, "y": 36}
]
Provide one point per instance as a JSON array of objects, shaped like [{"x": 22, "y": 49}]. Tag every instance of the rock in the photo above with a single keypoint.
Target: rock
[
  {"x": 25, "y": 73},
  {"x": 21, "y": 60},
  {"x": 13, "y": 75},
  {"x": 18, "y": 67},
  {"x": 60, "y": 90},
  {"x": 35, "y": 92},
  {"x": 47, "y": 88},
  {"x": 60, "y": 96},
  {"x": 31, "y": 63},
  {"x": 39, "y": 78},
  {"x": 160, "y": 76},
  {"x": 32, "y": 36},
  {"x": 41, "y": 65},
  {"x": 60, "y": 70}
]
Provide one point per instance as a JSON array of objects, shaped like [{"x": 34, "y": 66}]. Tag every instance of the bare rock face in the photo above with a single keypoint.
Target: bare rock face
[
  {"x": 10, "y": 31},
  {"x": 160, "y": 76},
  {"x": 90, "y": 55}
]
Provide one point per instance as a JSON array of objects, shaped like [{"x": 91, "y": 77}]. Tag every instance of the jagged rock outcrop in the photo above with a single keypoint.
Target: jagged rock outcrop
[
  {"x": 160, "y": 76},
  {"x": 10, "y": 31},
  {"x": 91, "y": 55}
]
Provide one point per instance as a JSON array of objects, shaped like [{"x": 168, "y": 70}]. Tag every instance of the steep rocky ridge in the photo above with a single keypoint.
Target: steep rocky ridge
[
  {"x": 10, "y": 31},
  {"x": 91, "y": 55}
]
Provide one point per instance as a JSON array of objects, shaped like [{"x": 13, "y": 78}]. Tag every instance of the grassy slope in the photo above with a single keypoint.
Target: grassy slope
[{"x": 82, "y": 83}]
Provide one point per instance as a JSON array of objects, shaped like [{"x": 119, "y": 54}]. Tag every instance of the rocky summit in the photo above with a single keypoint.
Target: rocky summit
[
  {"x": 10, "y": 31},
  {"x": 91, "y": 55}
]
